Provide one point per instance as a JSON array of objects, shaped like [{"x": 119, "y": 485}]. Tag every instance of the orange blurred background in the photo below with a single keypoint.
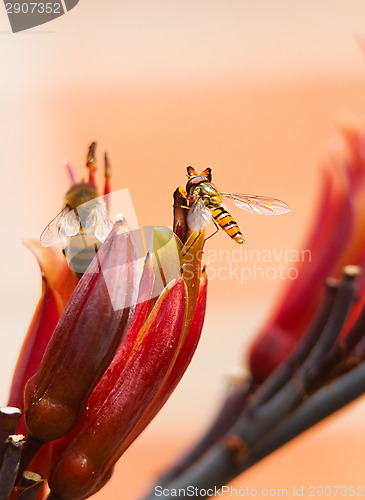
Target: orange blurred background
[{"x": 249, "y": 89}]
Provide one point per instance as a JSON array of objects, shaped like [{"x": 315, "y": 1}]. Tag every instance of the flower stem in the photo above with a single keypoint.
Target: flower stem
[
  {"x": 216, "y": 468},
  {"x": 322, "y": 404},
  {"x": 285, "y": 371},
  {"x": 10, "y": 465},
  {"x": 9, "y": 418},
  {"x": 30, "y": 449},
  {"x": 30, "y": 485}
]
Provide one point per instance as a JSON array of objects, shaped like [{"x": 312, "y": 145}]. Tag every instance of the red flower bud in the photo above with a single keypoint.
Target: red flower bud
[
  {"x": 84, "y": 340},
  {"x": 128, "y": 387},
  {"x": 150, "y": 361}
]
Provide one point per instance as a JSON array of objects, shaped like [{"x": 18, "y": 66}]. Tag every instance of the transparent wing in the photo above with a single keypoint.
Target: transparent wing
[
  {"x": 198, "y": 216},
  {"x": 71, "y": 224},
  {"x": 258, "y": 204},
  {"x": 66, "y": 223},
  {"x": 98, "y": 222}
]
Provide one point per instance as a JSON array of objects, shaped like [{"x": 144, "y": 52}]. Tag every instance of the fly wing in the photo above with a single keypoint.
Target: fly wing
[
  {"x": 258, "y": 204},
  {"x": 98, "y": 222},
  {"x": 198, "y": 216},
  {"x": 66, "y": 223}
]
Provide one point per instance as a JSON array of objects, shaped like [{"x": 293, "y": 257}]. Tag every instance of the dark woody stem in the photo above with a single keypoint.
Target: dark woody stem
[
  {"x": 10, "y": 465},
  {"x": 322, "y": 404},
  {"x": 216, "y": 468},
  {"x": 341, "y": 350},
  {"x": 341, "y": 307},
  {"x": 285, "y": 371},
  {"x": 30, "y": 485},
  {"x": 30, "y": 449},
  {"x": 9, "y": 418}
]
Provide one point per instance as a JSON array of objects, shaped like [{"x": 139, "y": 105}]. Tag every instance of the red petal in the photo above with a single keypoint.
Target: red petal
[
  {"x": 54, "y": 268},
  {"x": 44, "y": 321},
  {"x": 84, "y": 340}
]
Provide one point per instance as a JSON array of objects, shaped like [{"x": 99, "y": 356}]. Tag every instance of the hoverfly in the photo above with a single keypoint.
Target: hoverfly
[
  {"x": 83, "y": 220},
  {"x": 205, "y": 204}
]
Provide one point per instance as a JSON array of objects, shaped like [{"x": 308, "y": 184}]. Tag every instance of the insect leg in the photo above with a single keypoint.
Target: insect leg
[{"x": 215, "y": 232}]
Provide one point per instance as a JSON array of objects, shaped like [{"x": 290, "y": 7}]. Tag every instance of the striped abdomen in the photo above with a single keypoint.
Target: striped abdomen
[
  {"x": 80, "y": 251},
  {"x": 227, "y": 222}
]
